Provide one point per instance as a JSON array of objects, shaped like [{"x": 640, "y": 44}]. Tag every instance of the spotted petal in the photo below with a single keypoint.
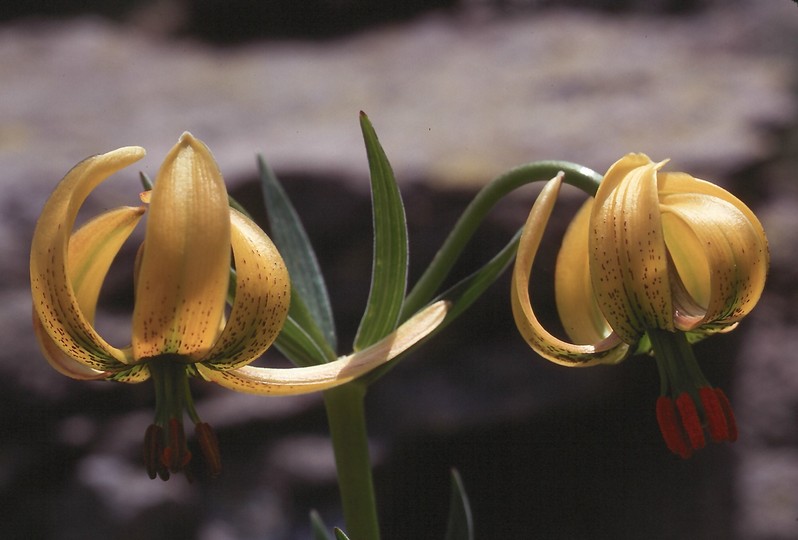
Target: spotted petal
[
  {"x": 55, "y": 302},
  {"x": 719, "y": 248},
  {"x": 263, "y": 295},
  {"x": 270, "y": 381},
  {"x": 629, "y": 262},
  {"x": 185, "y": 263},
  {"x": 92, "y": 248},
  {"x": 606, "y": 351}
]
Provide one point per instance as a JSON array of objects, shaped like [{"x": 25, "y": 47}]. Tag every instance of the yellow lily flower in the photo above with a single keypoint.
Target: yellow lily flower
[
  {"x": 179, "y": 327},
  {"x": 655, "y": 261}
]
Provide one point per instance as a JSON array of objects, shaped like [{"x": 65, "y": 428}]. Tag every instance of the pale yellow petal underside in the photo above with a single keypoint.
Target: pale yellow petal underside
[
  {"x": 54, "y": 299},
  {"x": 301, "y": 380},
  {"x": 182, "y": 280},
  {"x": 579, "y": 312},
  {"x": 263, "y": 295},
  {"x": 608, "y": 351}
]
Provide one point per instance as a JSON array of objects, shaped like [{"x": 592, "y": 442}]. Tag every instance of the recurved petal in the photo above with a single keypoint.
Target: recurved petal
[
  {"x": 716, "y": 241},
  {"x": 263, "y": 295},
  {"x": 607, "y": 351},
  {"x": 269, "y": 381},
  {"x": 629, "y": 264},
  {"x": 92, "y": 249},
  {"x": 183, "y": 275},
  {"x": 59, "y": 360},
  {"x": 576, "y": 303},
  {"x": 54, "y": 300}
]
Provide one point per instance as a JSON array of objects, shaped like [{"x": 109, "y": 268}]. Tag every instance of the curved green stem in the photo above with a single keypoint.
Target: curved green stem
[{"x": 581, "y": 177}]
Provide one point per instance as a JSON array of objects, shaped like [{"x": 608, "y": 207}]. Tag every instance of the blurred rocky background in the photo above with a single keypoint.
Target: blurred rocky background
[{"x": 459, "y": 91}]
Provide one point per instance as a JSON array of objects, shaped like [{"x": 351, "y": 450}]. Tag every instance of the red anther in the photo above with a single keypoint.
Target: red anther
[
  {"x": 175, "y": 456},
  {"x": 153, "y": 446},
  {"x": 691, "y": 421},
  {"x": 209, "y": 446},
  {"x": 716, "y": 418},
  {"x": 731, "y": 422},
  {"x": 671, "y": 429}
]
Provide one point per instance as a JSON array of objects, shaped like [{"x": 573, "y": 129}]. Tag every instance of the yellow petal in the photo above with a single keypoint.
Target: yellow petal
[
  {"x": 576, "y": 303},
  {"x": 609, "y": 351},
  {"x": 263, "y": 295},
  {"x": 54, "y": 299},
  {"x": 92, "y": 249},
  {"x": 629, "y": 263},
  {"x": 270, "y": 381},
  {"x": 185, "y": 263},
  {"x": 714, "y": 239},
  {"x": 59, "y": 360}
]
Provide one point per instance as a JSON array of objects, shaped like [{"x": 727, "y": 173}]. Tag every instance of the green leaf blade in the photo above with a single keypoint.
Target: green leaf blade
[
  {"x": 291, "y": 239},
  {"x": 389, "y": 269}
]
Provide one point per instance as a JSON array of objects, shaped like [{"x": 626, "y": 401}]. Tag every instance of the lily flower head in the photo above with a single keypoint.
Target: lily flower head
[
  {"x": 181, "y": 278},
  {"x": 656, "y": 261}
]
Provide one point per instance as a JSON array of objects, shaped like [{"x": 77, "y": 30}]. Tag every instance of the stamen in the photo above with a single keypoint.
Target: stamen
[
  {"x": 691, "y": 420},
  {"x": 671, "y": 429},
  {"x": 153, "y": 446},
  {"x": 731, "y": 422},
  {"x": 209, "y": 446},
  {"x": 176, "y": 454},
  {"x": 716, "y": 418}
]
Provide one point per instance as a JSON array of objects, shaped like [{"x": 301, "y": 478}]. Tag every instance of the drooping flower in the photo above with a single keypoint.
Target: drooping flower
[
  {"x": 182, "y": 274},
  {"x": 654, "y": 262}
]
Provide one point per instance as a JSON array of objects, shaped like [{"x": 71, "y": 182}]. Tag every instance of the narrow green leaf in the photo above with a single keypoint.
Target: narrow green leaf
[
  {"x": 460, "y": 525},
  {"x": 340, "y": 535},
  {"x": 389, "y": 270},
  {"x": 291, "y": 239}
]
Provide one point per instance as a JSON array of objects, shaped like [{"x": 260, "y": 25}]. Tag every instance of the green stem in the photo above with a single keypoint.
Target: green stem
[
  {"x": 576, "y": 175},
  {"x": 347, "y": 421},
  {"x": 677, "y": 364}
]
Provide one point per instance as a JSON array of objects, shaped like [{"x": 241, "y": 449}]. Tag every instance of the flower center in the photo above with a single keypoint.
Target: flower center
[
  {"x": 165, "y": 447},
  {"x": 688, "y": 406}
]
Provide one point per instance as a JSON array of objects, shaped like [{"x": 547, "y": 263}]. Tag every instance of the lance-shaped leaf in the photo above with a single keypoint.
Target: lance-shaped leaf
[
  {"x": 389, "y": 269},
  {"x": 307, "y": 280}
]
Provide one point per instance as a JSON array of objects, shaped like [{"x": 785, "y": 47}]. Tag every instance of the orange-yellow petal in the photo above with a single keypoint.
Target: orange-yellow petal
[
  {"x": 579, "y": 312},
  {"x": 263, "y": 295},
  {"x": 608, "y": 351},
  {"x": 629, "y": 262},
  {"x": 55, "y": 302},
  {"x": 183, "y": 275}
]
